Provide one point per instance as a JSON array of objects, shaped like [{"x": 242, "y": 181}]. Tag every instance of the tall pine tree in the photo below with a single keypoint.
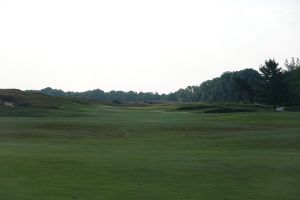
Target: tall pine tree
[{"x": 272, "y": 81}]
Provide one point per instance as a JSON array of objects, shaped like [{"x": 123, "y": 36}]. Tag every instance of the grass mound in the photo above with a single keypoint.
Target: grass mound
[
  {"x": 17, "y": 98},
  {"x": 228, "y": 110},
  {"x": 293, "y": 109},
  {"x": 222, "y": 107},
  {"x": 17, "y": 103},
  {"x": 194, "y": 107}
]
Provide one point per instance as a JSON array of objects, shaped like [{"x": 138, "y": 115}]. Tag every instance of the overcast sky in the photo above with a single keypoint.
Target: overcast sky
[{"x": 140, "y": 45}]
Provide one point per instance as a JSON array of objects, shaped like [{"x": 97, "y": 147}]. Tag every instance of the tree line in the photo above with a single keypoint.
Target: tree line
[{"x": 271, "y": 84}]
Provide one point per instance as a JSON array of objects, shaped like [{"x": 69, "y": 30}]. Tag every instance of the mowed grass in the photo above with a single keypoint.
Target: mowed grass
[{"x": 95, "y": 152}]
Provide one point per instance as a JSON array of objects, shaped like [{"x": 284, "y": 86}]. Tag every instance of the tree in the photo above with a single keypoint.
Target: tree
[
  {"x": 292, "y": 79},
  {"x": 245, "y": 90},
  {"x": 293, "y": 64},
  {"x": 272, "y": 80}
]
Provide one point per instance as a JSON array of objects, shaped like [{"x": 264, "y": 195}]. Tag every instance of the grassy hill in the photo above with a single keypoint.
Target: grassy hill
[
  {"x": 18, "y": 98},
  {"x": 15, "y": 102}
]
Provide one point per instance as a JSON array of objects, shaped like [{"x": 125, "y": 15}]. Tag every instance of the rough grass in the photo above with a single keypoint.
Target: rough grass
[
  {"x": 108, "y": 152},
  {"x": 31, "y": 100}
]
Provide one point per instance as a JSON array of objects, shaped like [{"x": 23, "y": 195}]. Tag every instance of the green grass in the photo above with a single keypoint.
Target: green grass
[{"x": 95, "y": 152}]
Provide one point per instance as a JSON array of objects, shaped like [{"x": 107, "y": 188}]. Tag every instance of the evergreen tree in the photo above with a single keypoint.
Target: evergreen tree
[
  {"x": 272, "y": 82},
  {"x": 292, "y": 79}
]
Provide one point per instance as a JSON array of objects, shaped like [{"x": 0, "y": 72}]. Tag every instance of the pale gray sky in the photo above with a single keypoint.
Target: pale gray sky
[{"x": 157, "y": 45}]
